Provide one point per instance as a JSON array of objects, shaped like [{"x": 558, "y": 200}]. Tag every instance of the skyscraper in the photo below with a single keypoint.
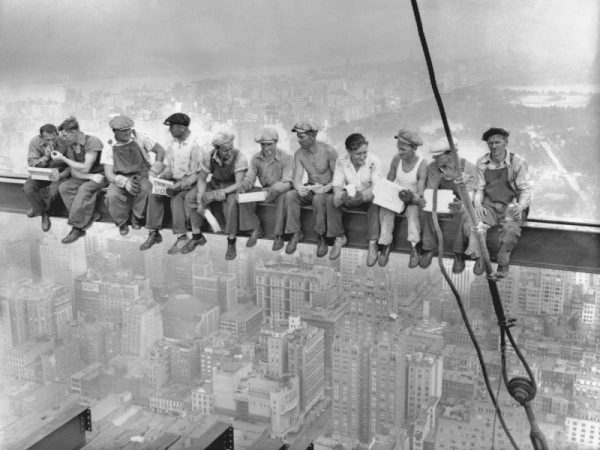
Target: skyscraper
[
  {"x": 62, "y": 263},
  {"x": 142, "y": 326},
  {"x": 424, "y": 381}
]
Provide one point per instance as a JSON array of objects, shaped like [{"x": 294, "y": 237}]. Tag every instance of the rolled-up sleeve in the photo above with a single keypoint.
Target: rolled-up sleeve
[
  {"x": 250, "y": 178},
  {"x": 35, "y": 154}
]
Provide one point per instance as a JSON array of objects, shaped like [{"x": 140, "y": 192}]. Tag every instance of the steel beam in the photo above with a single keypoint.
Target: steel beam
[{"x": 546, "y": 244}]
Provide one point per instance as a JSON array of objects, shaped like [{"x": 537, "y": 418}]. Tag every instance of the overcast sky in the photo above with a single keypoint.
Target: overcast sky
[{"x": 41, "y": 39}]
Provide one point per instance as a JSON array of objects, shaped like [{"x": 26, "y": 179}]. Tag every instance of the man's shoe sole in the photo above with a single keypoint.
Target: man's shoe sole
[
  {"x": 65, "y": 241},
  {"x": 46, "y": 224},
  {"x": 293, "y": 244}
]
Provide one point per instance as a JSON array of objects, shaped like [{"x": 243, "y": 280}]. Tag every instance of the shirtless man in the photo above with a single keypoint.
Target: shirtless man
[{"x": 318, "y": 160}]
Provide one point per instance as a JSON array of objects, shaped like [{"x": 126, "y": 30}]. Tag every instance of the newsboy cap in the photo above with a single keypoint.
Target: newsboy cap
[
  {"x": 222, "y": 138},
  {"x": 121, "y": 123},
  {"x": 266, "y": 135},
  {"x": 305, "y": 126},
  {"x": 441, "y": 146},
  {"x": 177, "y": 119},
  {"x": 409, "y": 137},
  {"x": 493, "y": 131}
]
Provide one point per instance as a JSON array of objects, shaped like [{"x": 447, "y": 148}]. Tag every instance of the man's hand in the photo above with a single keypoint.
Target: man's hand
[
  {"x": 406, "y": 196},
  {"x": 54, "y": 177},
  {"x": 514, "y": 210},
  {"x": 97, "y": 178},
  {"x": 320, "y": 189},
  {"x": 133, "y": 186},
  {"x": 156, "y": 169},
  {"x": 464, "y": 178},
  {"x": 57, "y": 156},
  {"x": 354, "y": 201},
  {"x": 455, "y": 206},
  {"x": 479, "y": 210},
  {"x": 303, "y": 191},
  {"x": 173, "y": 190},
  {"x": 271, "y": 195},
  {"x": 212, "y": 196}
]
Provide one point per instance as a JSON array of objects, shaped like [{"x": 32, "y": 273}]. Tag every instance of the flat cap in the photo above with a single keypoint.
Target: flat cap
[
  {"x": 493, "y": 131},
  {"x": 266, "y": 135},
  {"x": 409, "y": 137},
  {"x": 222, "y": 138},
  {"x": 305, "y": 126},
  {"x": 177, "y": 119},
  {"x": 441, "y": 146},
  {"x": 121, "y": 123}
]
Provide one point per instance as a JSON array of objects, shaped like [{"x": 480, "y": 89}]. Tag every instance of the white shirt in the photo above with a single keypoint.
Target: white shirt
[
  {"x": 185, "y": 158},
  {"x": 142, "y": 140},
  {"x": 363, "y": 178},
  {"x": 408, "y": 180}
]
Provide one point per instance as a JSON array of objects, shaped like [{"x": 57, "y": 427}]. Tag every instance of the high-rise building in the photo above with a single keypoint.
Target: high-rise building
[
  {"x": 388, "y": 383},
  {"x": 424, "y": 381},
  {"x": 213, "y": 287},
  {"x": 16, "y": 259},
  {"x": 185, "y": 362},
  {"x": 350, "y": 260},
  {"x": 542, "y": 291},
  {"x": 90, "y": 338},
  {"x": 6, "y": 338},
  {"x": 104, "y": 296},
  {"x": 142, "y": 326},
  {"x": 351, "y": 389},
  {"x": 242, "y": 319},
  {"x": 286, "y": 289},
  {"x": 148, "y": 263},
  {"x": 306, "y": 359}
]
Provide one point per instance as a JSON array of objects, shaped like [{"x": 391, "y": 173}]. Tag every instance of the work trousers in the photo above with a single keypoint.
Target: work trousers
[
  {"x": 40, "y": 194},
  {"x": 250, "y": 221},
  {"x": 79, "y": 196},
  {"x": 328, "y": 218},
  {"x": 120, "y": 202},
  {"x": 509, "y": 233},
  {"x": 386, "y": 222},
  {"x": 179, "y": 211},
  {"x": 430, "y": 241},
  {"x": 228, "y": 208},
  {"x": 372, "y": 211}
]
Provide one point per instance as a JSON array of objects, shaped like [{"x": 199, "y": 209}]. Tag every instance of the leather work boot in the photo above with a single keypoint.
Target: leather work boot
[
  {"x": 372, "y": 254},
  {"x": 124, "y": 230},
  {"x": 459, "y": 263},
  {"x": 192, "y": 244},
  {"x": 415, "y": 256},
  {"x": 31, "y": 213},
  {"x": 231, "y": 250},
  {"x": 296, "y": 239},
  {"x": 384, "y": 255},
  {"x": 73, "y": 235},
  {"x": 136, "y": 223},
  {"x": 178, "y": 245},
  {"x": 278, "y": 243},
  {"x": 154, "y": 237},
  {"x": 322, "y": 247},
  {"x": 336, "y": 250},
  {"x": 46, "y": 221},
  {"x": 479, "y": 267},
  {"x": 426, "y": 258},
  {"x": 254, "y": 237}
]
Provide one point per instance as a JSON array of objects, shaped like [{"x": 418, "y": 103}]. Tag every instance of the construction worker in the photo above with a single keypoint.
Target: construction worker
[
  {"x": 41, "y": 193},
  {"x": 502, "y": 197},
  {"x": 357, "y": 171},
  {"x": 183, "y": 157},
  {"x": 79, "y": 192},
  {"x": 410, "y": 171},
  {"x": 318, "y": 160},
  {"x": 443, "y": 174},
  {"x": 274, "y": 168},
  {"x": 228, "y": 167},
  {"x": 127, "y": 166}
]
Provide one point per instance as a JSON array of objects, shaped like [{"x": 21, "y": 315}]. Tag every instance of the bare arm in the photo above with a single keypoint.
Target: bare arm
[
  {"x": 239, "y": 178},
  {"x": 298, "y": 171},
  {"x": 421, "y": 178},
  {"x": 159, "y": 151}
]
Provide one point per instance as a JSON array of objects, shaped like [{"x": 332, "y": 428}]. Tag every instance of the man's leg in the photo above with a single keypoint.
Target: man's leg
[
  {"x": 386, "y": 234},
  {"x": 34, "y": 191},
  {"x": 179, "y": 222},
  {"x": 294, "y": 203},
  {"x": 414, "y": 234},
  {"x": 140, "y": 201},
  {"x": 154, "y": 220},
  {"x": 510, "y": 232},
  {"x": 247, "y": 211},
  {"x": 319, "y": 205},
  {"x": 489, "y": 218},
  {"x": 84, "y": 204},
  {"x": 280, "y": 215},
  {"x": 429, "y": 240},
  {"x": 119, "y": 203},
  {"x": 373, "y": 232},
  {"x": 335, "y": 227},
  {"x": 68, "y": 190},
  {"x": 191, "y": 210},
  {"x": 230, "y": 211}
]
